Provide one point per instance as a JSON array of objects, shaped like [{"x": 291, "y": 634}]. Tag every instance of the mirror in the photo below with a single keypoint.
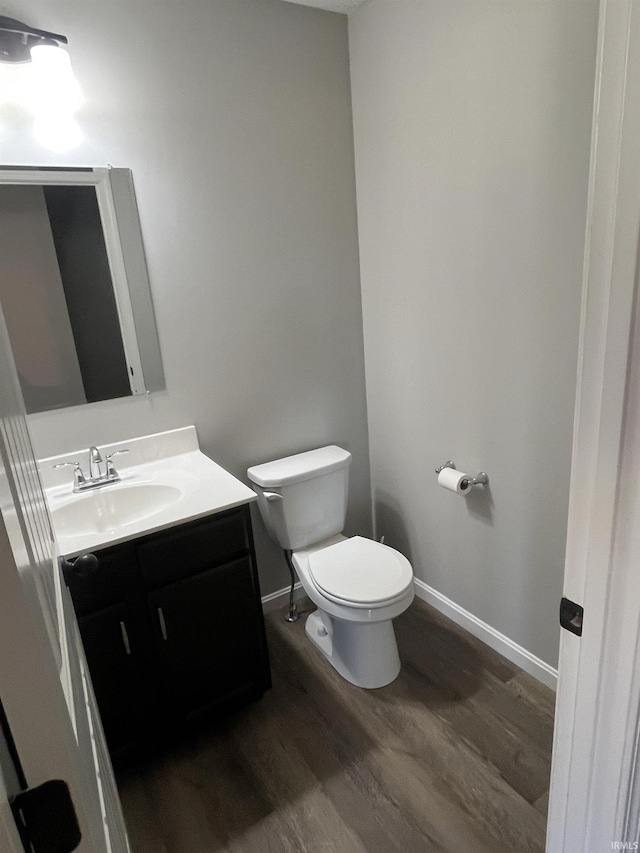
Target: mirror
[{"x": 74, "y": 287}]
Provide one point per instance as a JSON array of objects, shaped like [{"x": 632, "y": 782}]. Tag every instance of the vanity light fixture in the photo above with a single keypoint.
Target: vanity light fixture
[
  {"x": 53, "y": 85},
  {"x": 46, "y": 84}
]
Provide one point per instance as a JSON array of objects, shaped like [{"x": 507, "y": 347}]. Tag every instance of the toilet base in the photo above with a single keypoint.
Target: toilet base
[{"x": 364, "y": 653}]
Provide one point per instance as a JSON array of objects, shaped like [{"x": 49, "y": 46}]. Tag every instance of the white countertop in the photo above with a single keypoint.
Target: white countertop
[{"x": 169, "y": 460}]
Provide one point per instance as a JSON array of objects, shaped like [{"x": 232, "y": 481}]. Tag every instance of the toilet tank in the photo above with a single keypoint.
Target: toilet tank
[{"x": 303, "y": 498}]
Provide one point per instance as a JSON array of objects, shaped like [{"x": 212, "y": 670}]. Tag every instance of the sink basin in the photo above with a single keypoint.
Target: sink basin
[
  {"x": 113, "y": 507},
  {"x": 167, "y": 481}
]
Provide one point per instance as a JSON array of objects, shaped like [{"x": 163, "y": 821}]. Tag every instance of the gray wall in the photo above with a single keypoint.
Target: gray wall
[
  {"x": 235, "y": 118},
  {"x": 472, "y": 128}
]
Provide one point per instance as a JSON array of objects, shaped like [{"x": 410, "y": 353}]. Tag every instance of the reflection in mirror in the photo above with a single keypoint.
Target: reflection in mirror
[{"x": 74, "y": 288}]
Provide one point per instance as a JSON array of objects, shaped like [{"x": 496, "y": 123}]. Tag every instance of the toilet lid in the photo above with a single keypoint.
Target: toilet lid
[{"x": 360, "y": 570}]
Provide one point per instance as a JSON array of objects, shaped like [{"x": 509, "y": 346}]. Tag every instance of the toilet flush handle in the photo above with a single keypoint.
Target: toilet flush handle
[{"x": 272, "y": 496}]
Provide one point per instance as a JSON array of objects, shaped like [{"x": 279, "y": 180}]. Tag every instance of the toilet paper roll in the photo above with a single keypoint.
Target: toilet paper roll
[{"x": 455, "y": 481}]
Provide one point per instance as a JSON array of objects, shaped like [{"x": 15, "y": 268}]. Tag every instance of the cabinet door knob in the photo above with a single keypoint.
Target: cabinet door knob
[
  {"x": 83, "y": 566},
  {"x": 125, "y": 638},
  {"x": 163, "y": 625}
]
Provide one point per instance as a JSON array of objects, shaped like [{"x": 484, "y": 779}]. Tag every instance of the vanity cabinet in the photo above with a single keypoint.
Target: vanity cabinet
[{"x": 173, "y": 629}]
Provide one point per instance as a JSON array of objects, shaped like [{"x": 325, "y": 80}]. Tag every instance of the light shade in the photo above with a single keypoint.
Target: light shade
[{"x": 54, "y": 86}]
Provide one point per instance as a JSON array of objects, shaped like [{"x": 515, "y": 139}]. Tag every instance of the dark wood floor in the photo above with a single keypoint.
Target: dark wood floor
[{"x": 453, "y": 756}]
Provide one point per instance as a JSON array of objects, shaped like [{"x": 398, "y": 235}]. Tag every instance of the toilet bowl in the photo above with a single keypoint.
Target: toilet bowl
[{"x": 357, "y": 584}]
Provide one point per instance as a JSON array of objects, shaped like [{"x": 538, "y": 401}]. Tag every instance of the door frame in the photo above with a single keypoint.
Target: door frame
[
  {"x": 592, "y": 799},
  {"x": 33, "y": 697}
]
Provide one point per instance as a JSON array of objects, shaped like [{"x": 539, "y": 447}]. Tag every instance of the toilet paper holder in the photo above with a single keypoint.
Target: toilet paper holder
[{"x": 481, "y": 479}]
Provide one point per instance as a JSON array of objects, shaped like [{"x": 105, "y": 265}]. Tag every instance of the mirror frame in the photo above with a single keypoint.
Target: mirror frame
[{"x": 125, "y": 254}]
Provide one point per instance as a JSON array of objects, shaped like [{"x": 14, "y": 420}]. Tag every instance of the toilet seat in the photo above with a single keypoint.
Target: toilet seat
[{"x": 360, "y": 571}]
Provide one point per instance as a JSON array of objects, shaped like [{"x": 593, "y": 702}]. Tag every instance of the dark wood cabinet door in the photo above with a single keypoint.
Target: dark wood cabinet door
[
  {"x": 110, "y": 643},
  {"x": 210, "y": 638}
]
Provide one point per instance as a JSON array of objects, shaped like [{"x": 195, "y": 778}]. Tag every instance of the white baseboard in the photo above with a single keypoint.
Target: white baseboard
[
  {"x": 497, "y": 641},
  {"x": 279, "y": 598},
  {"x": 492, "y": 638}
]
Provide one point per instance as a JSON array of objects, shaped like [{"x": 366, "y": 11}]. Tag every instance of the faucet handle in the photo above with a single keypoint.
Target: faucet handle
[
  {"x": 78, "y": 476},
  {"x": 111, "y": 470},
  {"x": 117, "y": 452}
]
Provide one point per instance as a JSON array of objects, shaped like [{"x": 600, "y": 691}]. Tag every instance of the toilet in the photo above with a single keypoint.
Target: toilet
[{"x": 358, "y": 585}]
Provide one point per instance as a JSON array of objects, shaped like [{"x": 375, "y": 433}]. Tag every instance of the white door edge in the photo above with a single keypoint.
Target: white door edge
[{"x": 598, "y": 694}]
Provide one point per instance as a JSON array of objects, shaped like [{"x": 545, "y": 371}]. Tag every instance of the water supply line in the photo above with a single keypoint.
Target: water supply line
[{"x": 292, "y": 616}]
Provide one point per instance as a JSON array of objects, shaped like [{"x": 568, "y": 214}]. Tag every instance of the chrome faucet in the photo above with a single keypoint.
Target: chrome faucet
[
  {"x": 95, "y": 478},
  {"x": 95, "y": 461}
]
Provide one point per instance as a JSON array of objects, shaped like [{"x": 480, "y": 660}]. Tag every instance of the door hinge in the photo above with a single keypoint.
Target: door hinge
[
  {"x": 571, "y": 616},
  {"x": 46, "y": 818}
]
